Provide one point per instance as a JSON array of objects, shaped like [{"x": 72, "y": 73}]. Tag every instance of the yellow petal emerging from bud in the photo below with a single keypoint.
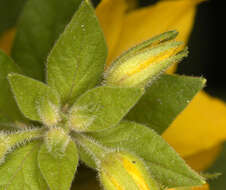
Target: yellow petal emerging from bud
[
  {"x": 123, "y": 171},
  {"x": 143, "y": 63}
]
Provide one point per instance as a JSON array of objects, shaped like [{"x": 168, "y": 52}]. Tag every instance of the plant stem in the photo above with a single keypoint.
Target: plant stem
[{"x": 24, "y": 136}]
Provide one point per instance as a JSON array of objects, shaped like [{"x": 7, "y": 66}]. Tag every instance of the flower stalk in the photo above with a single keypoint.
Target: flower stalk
[
  {"x": 118, "y": 169},
  {"x": 8, "y": 141}
]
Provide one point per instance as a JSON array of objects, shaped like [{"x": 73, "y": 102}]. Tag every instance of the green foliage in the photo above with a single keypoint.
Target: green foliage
[
  {"x": 75, "y": 114},
  {"x": 219, "y": 166},
  {"x": 39, "y": 26},
  {"x": 163, "y": 162},
  {"x": 21, "y": 171},
  {"x": 166, "y": 97},
  {"x": 58, "y": 171},
  {"x": 9, "y": 12},
  {"x": 8, "y": 108},
  {"x": 80, "y": 52},
  {"x": 103, "y": 107},
  {"x": 29, "y": 93}
]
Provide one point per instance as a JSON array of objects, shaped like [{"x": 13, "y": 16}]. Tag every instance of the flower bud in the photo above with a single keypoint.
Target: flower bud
[
  {"x": 56, "y": 141},
  {"x": 4, "y": 147},
  {"x": 144, "y": 63},
  {"x": 123, "y": 171},
  {"x": 49, "y": 113},
  {"x": 80, "y": 119}
]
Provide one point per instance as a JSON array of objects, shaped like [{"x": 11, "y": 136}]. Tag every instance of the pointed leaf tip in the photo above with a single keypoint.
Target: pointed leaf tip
[
  {"x": 58, "y": 172},
  {"x": 29, "y": 94},
  {"x": 77, "y": 60}
]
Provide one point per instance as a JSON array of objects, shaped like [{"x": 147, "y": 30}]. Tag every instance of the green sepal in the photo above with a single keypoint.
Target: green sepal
[
  {"x": 58, "y": 171},
  {"x": 77, "y": 60},
  {"x": 29, "y": 94},
  {"x": 39, "y": 26},
  {"x": 170, "y": 35},
  {"x": 20, "y": 171},
  {"x": 165, "y": 98},
  {"x": 102, "y": 107},
  {"x": 123, "y": 170},
  {"x": 164, "y": 163},
  {"x": 144, "y": 64},
  {"x": 8, "y": 107}
]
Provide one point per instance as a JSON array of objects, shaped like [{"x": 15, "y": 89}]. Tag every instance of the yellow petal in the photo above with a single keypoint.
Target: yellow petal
[
  {"x": 204, "y": 159},
  {"x": 201, "y": 126},
  {"x": 6, "y": 40},
  {"x": 144, "y": 23},
  {"x": 132, "y": 4},
  {"x": 111, "y": 15},
  {"x": 204, "y": 187}
]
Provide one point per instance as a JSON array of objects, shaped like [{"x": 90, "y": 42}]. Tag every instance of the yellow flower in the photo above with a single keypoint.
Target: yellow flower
[
  {"x": 200, "y": 129},
  {"x": 6, "y": 40},
  {"x": 204, "y": 187}
]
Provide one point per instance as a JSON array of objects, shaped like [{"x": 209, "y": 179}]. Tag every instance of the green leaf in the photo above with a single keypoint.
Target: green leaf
[
  {"x": 165, "y": 98},
  {"x": 163, "y": 162},
  {"x": 8, "y": 107},
  {"x": 77, "y": 60},
  {"x": 30, "y": 93},
  {"x": 38, "y": 28},
  {"x": 102, "y": 107},
  {"x": 58, "y": 171},
  {"x": 20, "y": 171},
  {"x": 9, "y": 12},
  {"x": 219, "y": 166}
]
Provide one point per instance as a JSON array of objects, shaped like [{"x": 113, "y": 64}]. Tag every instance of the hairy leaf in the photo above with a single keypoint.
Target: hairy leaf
[
  {"x": 102, "y": 107},
  {"x": 164, "y": 100},
  {"x": 20, "y": 171},
  {"x": 163, "y": 162},
  {"x": 39, "y": 26},
  {"x": 77, "y": 60},
  {"x": 58, "y": 171},
  {"x": 30, "y": 93}
]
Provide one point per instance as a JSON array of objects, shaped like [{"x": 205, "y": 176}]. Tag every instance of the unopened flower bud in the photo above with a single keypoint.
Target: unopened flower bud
[
  {"x": 4, "y": 147},
  {"x": 123, "y": 171},
  {"x": 80, "y": 119},
  {"x": 49, "y": 113},
  {"x": 145, "y": 62},
  {"x": 56, "y": 140}
]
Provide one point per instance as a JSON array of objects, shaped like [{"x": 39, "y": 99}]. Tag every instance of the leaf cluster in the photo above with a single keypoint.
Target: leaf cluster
[{"x": 55, "y": 108}]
